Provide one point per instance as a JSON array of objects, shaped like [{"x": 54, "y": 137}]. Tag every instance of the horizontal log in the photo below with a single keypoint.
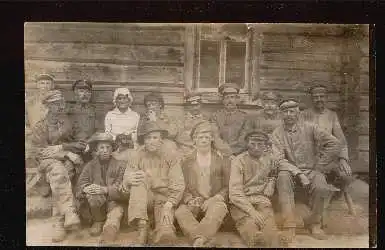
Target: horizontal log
[
  {"x": 103, "y": 72},
  {"x": 364, "y": 156},
  {"x": 363, "y": 143},
  {"x": 364, "y": 83},
  {"x": 105, "y": 53},
  {"x": 364, "y": 103},
  {"x": 282, "y": 43},
  {"x": 304, "y": 28},
  {"x": 298, "y": 79},
  {"x": 102, "y": 35}
]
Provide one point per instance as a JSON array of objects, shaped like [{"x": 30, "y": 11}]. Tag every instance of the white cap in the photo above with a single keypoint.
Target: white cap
[{"x": 122, "y": 91}]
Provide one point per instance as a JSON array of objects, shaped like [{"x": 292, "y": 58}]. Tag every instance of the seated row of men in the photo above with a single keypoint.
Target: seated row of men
[{"x": 214, "y": 175}]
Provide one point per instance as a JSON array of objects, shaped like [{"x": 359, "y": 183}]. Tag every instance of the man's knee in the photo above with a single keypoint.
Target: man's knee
[{"x": 96, "y": 201}]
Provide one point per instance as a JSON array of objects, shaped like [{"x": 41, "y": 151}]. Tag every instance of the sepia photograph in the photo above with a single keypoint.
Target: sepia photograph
[{"x": 236, "y": 135}]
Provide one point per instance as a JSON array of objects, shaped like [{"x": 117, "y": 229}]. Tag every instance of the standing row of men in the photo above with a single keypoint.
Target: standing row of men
[{"x": 230, "y": 162}]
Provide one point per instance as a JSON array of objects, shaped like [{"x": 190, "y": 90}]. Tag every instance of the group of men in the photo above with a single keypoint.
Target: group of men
[{"x": 195, "y": 172}]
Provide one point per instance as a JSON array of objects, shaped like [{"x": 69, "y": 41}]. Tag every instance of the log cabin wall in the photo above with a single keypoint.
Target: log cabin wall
[{"x": 287, "y": 58}]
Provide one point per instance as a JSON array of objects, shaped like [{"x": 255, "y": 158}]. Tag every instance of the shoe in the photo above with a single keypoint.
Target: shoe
[
  {"x": 287, "y": 236},
  {"x": 199, "y": 242},
  {"x": 317, "y": 232},
  {"x": 59, "y": 233},
  {"x": 96, "y": 228},
  {"x": 71, "y": 221},
  {"x": 143, "y": 232},
  {"x": 108, "y": 235}
]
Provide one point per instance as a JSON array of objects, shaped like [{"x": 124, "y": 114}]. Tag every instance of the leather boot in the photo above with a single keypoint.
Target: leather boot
[
  {"x": 71, "y": 221},
  {"x": 59, "y": 233},
  {"x": 143, "y": 232},
  {"x": 96, "y": 228}
]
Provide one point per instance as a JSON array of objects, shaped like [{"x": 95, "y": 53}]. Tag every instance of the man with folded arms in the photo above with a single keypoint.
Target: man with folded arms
[
  {"x": 154, "y": 179},
  {"x": 206, "y": 176},
  {"x": 296, "y": 141}
]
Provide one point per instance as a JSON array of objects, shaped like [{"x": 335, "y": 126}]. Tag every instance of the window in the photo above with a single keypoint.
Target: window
[{"x": 223, "y": 56}]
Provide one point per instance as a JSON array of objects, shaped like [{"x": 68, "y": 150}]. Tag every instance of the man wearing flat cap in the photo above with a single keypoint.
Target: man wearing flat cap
[
  {"x": 328, "y": 120},
  {"x": 268, "y": 118},
  {"x": 230, "y": 120},
  {"x": 252, "y": 180},
  {"x": 155, "y": 181},
  {"x": 98, "y": 189},
  {"x": 296, "y": 141},
  {"x": 193, "y": 116},
  {"x": 206, "y": 176},
  {"x": 36, "y": 111},
  {"x": 51, "y": 140}
]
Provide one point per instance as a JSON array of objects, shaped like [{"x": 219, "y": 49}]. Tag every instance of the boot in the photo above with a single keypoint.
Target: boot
[
  {"x": 287, "y": 236},
  {"x": 96, "y": 228},
  {"x": 108, "y": 235},
  {"x": 143, "y": 232},
  {"x": 59, "y": 233},
  {"x": 317, "y": 232},
  {"x": 165, "y": 236},
  {"x": 71, "y": 221}
]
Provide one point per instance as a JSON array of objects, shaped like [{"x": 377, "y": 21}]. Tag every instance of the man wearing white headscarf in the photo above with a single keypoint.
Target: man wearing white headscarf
[{"x": 122, "y": 119}]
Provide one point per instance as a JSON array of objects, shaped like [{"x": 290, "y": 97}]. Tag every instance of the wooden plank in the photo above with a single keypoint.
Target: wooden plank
[
  {"x": 364, "y": 65},
  {"x": 364, "y": 103},
  {"x": 364, "y": 45},
  {"x": 105, "y": 53},
  {"x": 363, "y": 123},
  {"x": 364, "y": 156},
  {"x": 363, "y": 143},
  {"x": 189, "y": 62},
  {"x": 364, "y": 83},
  {"x": 290, "y": 79},
  {"x": 305, "y": 28},
  {"x": 102, "y": 35},
  {"x": 103, "y": 72},
  {"x": 283, "y": 43}
]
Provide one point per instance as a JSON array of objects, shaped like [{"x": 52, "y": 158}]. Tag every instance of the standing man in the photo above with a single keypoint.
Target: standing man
[
  {"x": 51, "y": 141},
  {"x": 98, "y": 189},
  {"x": 155, "y": 181},
  {"x": 206, "y": 176},
  {"x": 252, "y": 180},
  {"x": 193, "y": 116},
  {"x": 230, "y": 120},
  {"x": 328, "y": 120},
  {"x": 296, "y": 141}
]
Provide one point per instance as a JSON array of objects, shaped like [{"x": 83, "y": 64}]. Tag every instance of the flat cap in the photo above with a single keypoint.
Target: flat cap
[
  {"x": 148, "y": 127},
  {"x": 45, "y": 77},
  {"x": 269, "y": 96},
  {"x": 201, "y": 127},
  {"x": 319, "y": 88},
  {"x": 257, "y": 134},
  {"x": 52, "y": 96},
  {"x": 228, "y": 88},
  {"x": 288, "y": 103},
  {"x": 101, "y": 136},
  {"x": 82, "y": 84},
  {"x": 194, "y": 98}
]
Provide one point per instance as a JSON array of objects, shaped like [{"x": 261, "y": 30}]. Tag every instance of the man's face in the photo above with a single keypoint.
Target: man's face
[
  {"x": 319, "y": 100},
  {"x": 194, "y": 109},
  {"x": 83, "y": 95},
  {"x": 269, "y": 106},
  {"x": 122, "y": 101},
  {"x": 56, "y": 106},
  {"x": 45, "y": 85},
  {"x": 290, "y": 115},
  {"x": 153, "y": 106},
  {"x": 230, "y": 101},
  {"x": 104, "y": 150},
  {"x": 203, "y": 139},
  {"x": 256, "y": 147},
  {"x": 153, "y": 141}
]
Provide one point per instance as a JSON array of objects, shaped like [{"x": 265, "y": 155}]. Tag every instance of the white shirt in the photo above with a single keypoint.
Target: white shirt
[
  {"x": 204, "y": 162},
  {"x": 117, "y": 123}
]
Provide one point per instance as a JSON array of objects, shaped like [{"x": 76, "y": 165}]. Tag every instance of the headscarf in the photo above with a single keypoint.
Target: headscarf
[{"x": 122, "y": 91}]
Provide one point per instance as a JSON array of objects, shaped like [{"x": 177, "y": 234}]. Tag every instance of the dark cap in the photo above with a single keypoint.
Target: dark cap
[
  {"x": 201, "y": 127},
  {"x": 228, "y": 88},
  {"x": 257, "y": 135},
  {"x": 53, "y": 96},
  {"x": 269, "y": 96},
  {"x": 45, "y": 77},
  {"x": 154, "y": 96},
  {"x": 101, "y": 137},
  {"x": 319, "y": 88},
  {"x": 288, "y": 103},
  {"x": 148, "y": 127},
  {"x": 194, "y": 98},
  {"x": 82, "y": 84}
]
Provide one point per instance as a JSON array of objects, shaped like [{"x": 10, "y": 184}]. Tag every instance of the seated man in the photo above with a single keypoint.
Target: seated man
[
  {"x": 252, "y": 181},
  {"x": 98, "y": 189},
  {"x": 206, "y": 177},
  {"x": 155, "y": 181},
  {"x": 313, "y": 151}
]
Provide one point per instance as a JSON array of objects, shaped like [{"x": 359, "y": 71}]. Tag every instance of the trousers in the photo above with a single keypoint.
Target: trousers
[
  {"x": 247, "y": 227},
  {"x": 315, "y": 196},
  {"x": 209, "y": 224}
]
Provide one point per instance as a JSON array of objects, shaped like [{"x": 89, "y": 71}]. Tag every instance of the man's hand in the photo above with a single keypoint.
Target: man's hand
[
  {"x": 50, "y": 151},
  {"x": 151, "y": 115},
  {"x": 259, "y": 219},
  {"x": 167, "y": 217},
  {"x": 134, "y": 178},
  {"x": 207, "y": 202},
  {"x": 254, "y": 190},
  {"x": 304, "y": 180},
  {"x": 269, "y": 189},
  {"x": 195, "y": 202},
  {"x": 344, "y": 167},
  {"x": 95, "y": 189}
]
